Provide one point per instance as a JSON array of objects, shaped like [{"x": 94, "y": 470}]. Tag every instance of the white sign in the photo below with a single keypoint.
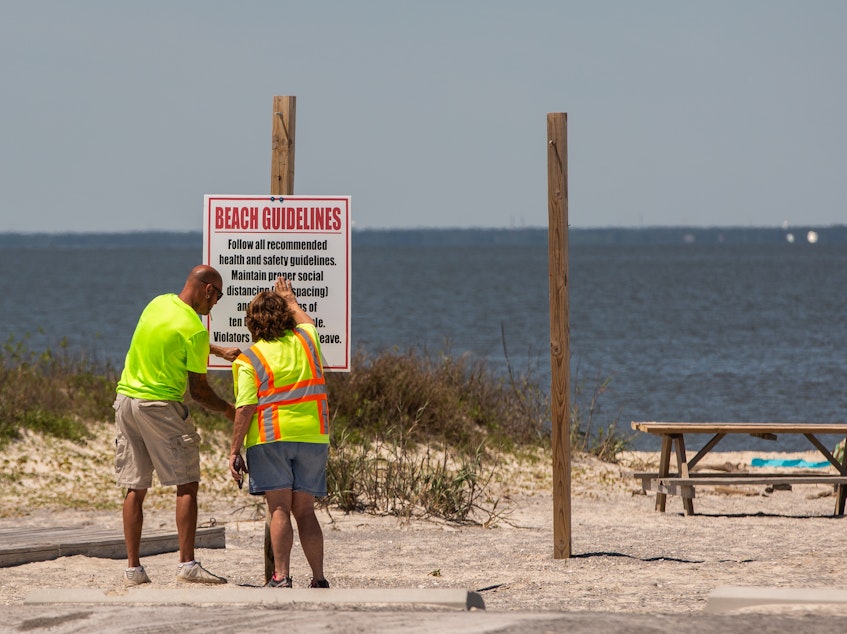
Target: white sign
[{"x": 251, "y": 240}]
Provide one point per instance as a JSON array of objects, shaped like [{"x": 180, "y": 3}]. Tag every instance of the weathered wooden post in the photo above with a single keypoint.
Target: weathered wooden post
[
  {"x": 282, "y": 147},
  {"x": 282, "y": 184},
  {"x": 557, "y": 207}
]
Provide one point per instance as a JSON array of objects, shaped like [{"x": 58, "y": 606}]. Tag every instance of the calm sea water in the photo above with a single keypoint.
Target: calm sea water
[{"x": 688, "y": 332}]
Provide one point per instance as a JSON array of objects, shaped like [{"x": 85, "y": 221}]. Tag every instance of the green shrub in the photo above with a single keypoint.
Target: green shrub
[
  {"x": 52, "y": 392},
  {"x": 456, "y": 400},
  {"x": 392, "y": 477}
]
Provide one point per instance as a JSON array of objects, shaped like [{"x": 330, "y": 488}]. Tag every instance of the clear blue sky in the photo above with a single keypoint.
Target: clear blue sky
[{"x": 120, "y": 116}]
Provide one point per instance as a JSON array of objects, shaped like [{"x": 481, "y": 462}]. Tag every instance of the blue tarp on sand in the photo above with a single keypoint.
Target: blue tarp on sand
[{"x": 780, "y": 462}]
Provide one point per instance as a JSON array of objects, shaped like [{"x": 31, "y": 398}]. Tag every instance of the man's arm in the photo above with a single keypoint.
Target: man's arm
[
  {"x": 230, "y": 354},
  {"x": 203, "y": 393}
]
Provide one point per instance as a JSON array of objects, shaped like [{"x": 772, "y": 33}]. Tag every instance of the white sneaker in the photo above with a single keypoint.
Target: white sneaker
[
  {"x": 135, "y": 576},
  {"x": 195, "y": 573}
]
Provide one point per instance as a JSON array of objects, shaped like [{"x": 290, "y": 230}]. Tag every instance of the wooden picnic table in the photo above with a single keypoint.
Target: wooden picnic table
[{"x": 673, "y": 441}]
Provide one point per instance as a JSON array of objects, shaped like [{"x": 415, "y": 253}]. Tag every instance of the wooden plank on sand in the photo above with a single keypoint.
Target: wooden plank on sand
[{"x": 28, "y": 544}]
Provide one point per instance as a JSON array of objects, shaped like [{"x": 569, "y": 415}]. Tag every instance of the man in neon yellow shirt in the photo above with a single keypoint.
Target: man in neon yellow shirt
[{"x": 169, "y": 350}]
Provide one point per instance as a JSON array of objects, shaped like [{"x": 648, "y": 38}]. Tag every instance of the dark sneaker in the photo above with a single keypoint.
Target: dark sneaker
[
  {"x": 273, "y": 582},
  {"x": 319, "y": 583}
]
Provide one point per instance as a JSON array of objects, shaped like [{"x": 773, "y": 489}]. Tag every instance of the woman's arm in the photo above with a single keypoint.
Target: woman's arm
[
  {"x": 284, "y": 290},
  {"x": 243, "y": 417}
]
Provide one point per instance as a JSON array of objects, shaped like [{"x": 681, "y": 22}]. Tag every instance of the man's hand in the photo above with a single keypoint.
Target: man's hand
[{"x": 230, "y": 354}]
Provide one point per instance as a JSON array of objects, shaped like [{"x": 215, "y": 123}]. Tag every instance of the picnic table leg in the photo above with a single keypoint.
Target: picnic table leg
[
  {"x": 840, "y": 497},
  {"x": 840, "y": 489},
  {"x": 682, "y": 470},
  {"x": 664, "y": 469}
]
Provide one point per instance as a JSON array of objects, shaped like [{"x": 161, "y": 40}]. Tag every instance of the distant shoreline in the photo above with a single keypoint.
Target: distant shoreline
[{"x": 454, "y": 237}]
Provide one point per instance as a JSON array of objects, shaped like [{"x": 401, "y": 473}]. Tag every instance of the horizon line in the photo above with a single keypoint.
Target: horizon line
[{"x": 354, "y": 229}]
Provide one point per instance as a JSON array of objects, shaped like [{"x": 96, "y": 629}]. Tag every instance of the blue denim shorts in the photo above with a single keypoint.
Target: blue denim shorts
[{"x": 299, "y": 466}]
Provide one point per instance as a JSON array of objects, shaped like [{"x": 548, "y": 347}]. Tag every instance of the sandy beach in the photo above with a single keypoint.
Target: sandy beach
[{"x": 627, "y": 558}]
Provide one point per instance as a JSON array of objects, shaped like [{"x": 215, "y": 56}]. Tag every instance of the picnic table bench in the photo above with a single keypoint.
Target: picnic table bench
[{"x": 684, "y": 480}]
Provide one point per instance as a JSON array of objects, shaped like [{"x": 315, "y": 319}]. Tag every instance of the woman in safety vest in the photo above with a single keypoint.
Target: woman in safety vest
[{"x": 282, "y": 419}]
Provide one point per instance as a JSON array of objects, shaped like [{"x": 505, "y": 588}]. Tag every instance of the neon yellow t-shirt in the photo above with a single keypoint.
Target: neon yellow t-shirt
[
  {"x": 286, "y": 356},
  {"x": 169, "y": 342}
]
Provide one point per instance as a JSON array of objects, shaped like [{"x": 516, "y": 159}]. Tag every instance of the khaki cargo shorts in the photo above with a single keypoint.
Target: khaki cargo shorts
[{"x": 154, "y": 435}]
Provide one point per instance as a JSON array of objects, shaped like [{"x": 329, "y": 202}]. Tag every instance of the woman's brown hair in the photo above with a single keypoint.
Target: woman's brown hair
[{"x": 268, "y": 317}]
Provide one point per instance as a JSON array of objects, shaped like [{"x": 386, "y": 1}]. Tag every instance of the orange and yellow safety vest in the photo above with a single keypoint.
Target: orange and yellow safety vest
[{"x": 294, "y": 400}]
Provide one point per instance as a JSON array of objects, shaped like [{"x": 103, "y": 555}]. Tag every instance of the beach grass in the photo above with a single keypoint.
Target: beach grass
[{"x": 412, "y": 433}]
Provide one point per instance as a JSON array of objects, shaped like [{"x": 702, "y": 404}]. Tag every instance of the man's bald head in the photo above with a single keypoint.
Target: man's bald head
[
  {"x": 203, "y": 288},
  {"x": 205, "y": 274}
]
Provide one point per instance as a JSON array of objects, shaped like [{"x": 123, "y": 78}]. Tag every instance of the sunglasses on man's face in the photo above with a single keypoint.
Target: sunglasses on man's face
[{"x": 217, "y": 290}]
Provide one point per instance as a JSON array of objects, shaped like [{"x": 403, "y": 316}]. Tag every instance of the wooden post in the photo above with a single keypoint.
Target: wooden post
[
  {"x": 282, "y": 184},
  {"x": 557, "y": 206},
  {"x": 282, "y": 147}
]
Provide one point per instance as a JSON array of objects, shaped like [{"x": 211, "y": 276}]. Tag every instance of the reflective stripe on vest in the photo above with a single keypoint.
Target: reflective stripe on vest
[{"x": 271, "y": 397}]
